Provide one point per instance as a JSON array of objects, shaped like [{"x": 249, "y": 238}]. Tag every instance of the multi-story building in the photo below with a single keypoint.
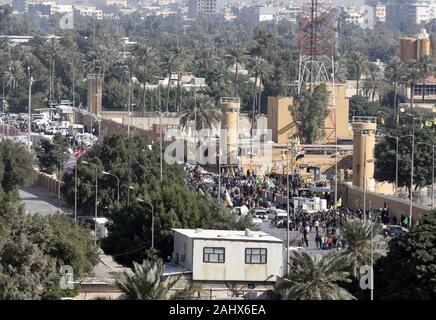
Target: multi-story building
[
  {"x": 352, "y": 15},
  {"x": 380, "y": 12},
  {"x": 88, "y": 11},
  {"x": 202, "y": 8},
  {"x": 418, "y": 12}
]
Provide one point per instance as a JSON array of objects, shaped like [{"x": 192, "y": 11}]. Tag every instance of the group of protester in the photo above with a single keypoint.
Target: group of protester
[{"x": 245, "y": 188}]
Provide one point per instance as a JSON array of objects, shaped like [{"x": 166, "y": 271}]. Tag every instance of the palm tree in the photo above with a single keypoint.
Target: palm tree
[
  {"x": 395, "y": 72},
  {"x": 374, "y": 84},
  {"x": 358, "y": 237},
  {"x": 426, "y": 64},
  {"x": 261, "y": 70},
  {"x": 315, "y": 279},
  {"x": 53, "y": 50},
  {"x": 144, "y": 55},
  {"x": 236, "y": 56},
  {"x": 412, "y": 77},
  {"x": 147, "y": 281},
  {"x": 204, "y": 114},
  {"x": 206, "y": 58},
  {"x": 360, "y": 63},
  {"x": 340, "y": 69},
  {"x": 15, "y": 74}
]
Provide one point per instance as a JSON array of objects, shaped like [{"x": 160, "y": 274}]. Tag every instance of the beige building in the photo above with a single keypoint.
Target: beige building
[
  {"x": 95, "y": 93},
  {"x": 283, "y": 125},
  {"x": 229, "y": 256},
  {"x": 364, "y": 129},
  {"x": 380, "y": 12}
]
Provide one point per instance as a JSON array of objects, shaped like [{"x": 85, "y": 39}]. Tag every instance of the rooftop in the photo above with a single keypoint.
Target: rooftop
[{"x": 234, "y": 235}]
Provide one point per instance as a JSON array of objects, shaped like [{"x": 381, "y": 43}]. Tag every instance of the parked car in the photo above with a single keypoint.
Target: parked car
[
  {"x": 395, "y": 230},
  {"x": 259, "y": 213},
  {"x": 241, "y": 211}
]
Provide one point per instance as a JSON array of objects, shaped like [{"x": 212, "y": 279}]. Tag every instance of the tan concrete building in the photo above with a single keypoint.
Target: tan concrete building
[
  {"x": 280, "y": 120},
  {"x": 283, "y": 125},
  {"x": 95, "y": 93},
  {"x": 364, "y": 129},
  {"x": 230, "y": 108}
]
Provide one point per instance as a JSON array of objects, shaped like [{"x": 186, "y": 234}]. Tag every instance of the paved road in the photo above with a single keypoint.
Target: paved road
[
  {"x": 38, "y": 200},
  {"x": 294, "y": 237}
]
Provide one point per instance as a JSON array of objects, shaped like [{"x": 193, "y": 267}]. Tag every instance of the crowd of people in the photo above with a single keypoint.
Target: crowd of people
[{"x": 244, "y": 188}]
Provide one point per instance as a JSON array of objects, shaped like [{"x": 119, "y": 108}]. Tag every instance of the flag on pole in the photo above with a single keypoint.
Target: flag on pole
[{"x": 339, "y": 203}]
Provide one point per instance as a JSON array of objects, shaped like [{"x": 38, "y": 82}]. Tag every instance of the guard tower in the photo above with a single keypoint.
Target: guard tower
[
  {"x": 364, "y": 130},
  {"x": 95, "y": 93},
  {"x": 230, "y": 107}
]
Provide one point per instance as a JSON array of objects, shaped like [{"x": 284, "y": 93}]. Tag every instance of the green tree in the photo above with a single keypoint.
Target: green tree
[
  {"x": 426, "y": 65},
  {"x": 311, "y": 110},
  {"x": 52, "y": 154},
  {"x": 360, "y": 106},
  {"x": 358, "y": 237},
  {"x": 315, "y": 279},
  {"x": 412, "y": 76},
  {"x": 360, "y": 64},
  {"x": 236, "y": 56},
  {"x": 408, "y": 271},
  {"x": 144, "y": 55},
  {"x": 17, "y": 166},
  {"x": 385, "y": 154},
  {"x": 204, "y": 114},
  {"x": 15, "y": 74},
  {"x": 147, "y": 281},
  {"x": 395, "y": 72},
  {"x": 33, "y": 248}
]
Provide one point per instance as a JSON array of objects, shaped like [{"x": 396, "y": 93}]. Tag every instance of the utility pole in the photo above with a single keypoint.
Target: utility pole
[
  {"x": 29, "y": 130},
  {"x": 411, "y": 174}
]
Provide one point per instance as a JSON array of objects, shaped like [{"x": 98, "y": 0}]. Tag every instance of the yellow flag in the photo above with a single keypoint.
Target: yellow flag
[{"x": 428, "y": 123}]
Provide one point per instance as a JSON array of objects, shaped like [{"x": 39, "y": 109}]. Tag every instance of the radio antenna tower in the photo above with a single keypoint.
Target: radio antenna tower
[
  {"x": 316, "y": 44},
  {"x": 317, "y": 62}
]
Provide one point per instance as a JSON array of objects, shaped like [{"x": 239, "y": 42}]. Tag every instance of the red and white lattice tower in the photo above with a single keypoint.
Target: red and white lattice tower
[{"x": 316, "y": 44}]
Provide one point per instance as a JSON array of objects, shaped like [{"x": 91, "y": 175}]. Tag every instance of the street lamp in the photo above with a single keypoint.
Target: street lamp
[
  {"x": 397, "y": 138},
  {"x": 29, "y": 106},
  {"x": 3, "y": 93},
  {"x": 96, "y": 192},
  {"x": 432, "y": 171},
  {"x": 118, "y": 183},
  {"x": 160, "y": 126},
  {"x": 59, "y": 176},
  {"x": 411, "y": 170},
  {"x": 152, "y": 219}
]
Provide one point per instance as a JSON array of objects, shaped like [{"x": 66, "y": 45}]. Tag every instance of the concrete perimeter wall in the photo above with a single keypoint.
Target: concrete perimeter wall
[
  {"x": 352, "y": 197},
  {"x": 49, "y": 183}
]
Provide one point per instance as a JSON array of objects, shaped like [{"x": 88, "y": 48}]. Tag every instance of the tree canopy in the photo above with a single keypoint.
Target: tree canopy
[
  {"x": 408, "y": 271},
  {"x": 311, "y": 110}
]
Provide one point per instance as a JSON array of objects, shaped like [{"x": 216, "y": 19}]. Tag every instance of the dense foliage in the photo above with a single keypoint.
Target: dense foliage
[
  {"x": 137, "y": 164},
  {"x": 51, "y": 154},
  {"x": 408, "y": 271}
]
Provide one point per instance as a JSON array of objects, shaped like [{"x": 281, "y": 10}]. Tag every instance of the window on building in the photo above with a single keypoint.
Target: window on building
[
  {"x": 255, "y": 255},
  {"x": 214, "y": 255}
]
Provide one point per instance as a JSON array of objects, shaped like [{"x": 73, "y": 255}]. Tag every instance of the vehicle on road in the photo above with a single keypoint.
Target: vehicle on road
[
  {"x": 259, "y": 213},
  {"x": 241, "y": 211},
  {"x": 395, "y": 230}
]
